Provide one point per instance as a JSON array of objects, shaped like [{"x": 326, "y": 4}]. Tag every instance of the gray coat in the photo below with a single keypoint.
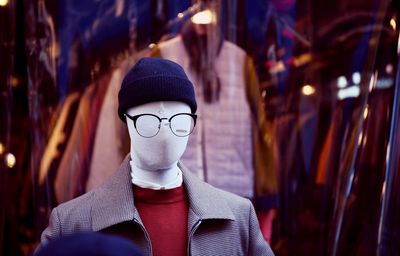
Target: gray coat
[{"x": 219, "y": 223}]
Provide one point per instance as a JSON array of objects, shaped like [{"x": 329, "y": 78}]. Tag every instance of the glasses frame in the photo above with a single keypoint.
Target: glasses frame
[{"x": 135, "y": 118}]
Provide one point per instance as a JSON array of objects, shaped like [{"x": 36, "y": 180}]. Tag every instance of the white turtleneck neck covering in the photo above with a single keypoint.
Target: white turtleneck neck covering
[{"x": 162, "y": 179}]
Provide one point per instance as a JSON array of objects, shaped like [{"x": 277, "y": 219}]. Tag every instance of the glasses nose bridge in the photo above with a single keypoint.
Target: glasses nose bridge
[{"x": 167, "y": 123}]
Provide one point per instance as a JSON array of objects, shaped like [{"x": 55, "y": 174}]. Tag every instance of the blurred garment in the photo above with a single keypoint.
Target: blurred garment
[
  {"x": 54, "y": 150},
  {"x": 342, "y": 122},
  {"x": 72, "y": 172},
  {"x": 110, "y": 134},
  {"x": 231, "y": 147},
  {"x": 89, "y": 244}
]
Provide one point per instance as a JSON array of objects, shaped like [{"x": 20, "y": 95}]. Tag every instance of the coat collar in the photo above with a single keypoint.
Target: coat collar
[{"x": 113, "y": 202}]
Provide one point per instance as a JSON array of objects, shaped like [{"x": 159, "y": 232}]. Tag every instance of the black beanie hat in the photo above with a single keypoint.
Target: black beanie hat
[{"x": 155, "y": 79}]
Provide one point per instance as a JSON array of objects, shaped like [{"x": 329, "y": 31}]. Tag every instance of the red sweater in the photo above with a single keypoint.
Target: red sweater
[{"x": 165, "y": 215}]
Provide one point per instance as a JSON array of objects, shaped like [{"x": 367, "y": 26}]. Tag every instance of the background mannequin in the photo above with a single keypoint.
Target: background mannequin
[{"x": 154, "y": 160}]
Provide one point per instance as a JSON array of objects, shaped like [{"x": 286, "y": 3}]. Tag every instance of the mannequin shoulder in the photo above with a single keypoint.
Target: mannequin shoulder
[
  {"x": 68, "y": 217},
  {"x": 75, "y": 208}
]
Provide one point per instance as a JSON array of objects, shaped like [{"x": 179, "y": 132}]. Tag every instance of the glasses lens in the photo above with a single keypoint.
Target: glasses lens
[
  {"x": 147, "y": 126},
  {"x": 182, "y": 125}
]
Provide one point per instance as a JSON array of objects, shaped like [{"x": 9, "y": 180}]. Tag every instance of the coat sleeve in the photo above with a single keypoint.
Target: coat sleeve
[
  {"x": 257, "y": 244},
  {"x": 53, "y": 231}
]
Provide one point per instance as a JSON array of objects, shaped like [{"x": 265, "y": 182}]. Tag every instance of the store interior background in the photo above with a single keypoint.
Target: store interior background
[{"x": 329, "y": 79}]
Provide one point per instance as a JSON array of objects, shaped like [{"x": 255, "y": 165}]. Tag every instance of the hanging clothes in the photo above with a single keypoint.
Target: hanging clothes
[
  {"x": 108, "y": 149},
  {"x": 329, "y": 162},
  {"x": 58, "y": 136},
  {"x": 224, "y": 149},
  {"x": 55, "y": 148},
  {"x": 72, "y": 171}
]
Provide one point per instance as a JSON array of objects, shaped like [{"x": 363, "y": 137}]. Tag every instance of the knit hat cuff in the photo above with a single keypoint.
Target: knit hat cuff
[{"x": 155, "y": 88}]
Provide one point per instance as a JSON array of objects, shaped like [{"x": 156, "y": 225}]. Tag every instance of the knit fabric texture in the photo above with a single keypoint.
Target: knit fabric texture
[
  {"x": 152, "y": 80},
  {"x": 165, "y": 216}
]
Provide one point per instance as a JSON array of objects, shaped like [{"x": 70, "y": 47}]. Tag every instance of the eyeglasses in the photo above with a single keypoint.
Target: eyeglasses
[{"x": 148, "y": 125}]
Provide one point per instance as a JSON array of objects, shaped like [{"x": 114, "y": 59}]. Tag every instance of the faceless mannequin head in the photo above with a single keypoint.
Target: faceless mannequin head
[
  {"x": 160, "y": 89},
  {"x": 164, "y": 149}
]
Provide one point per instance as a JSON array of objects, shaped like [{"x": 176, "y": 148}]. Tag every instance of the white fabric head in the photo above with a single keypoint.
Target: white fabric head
[
  {"x": 163, "y": 150},
  {"x": 154, "y": 159}
]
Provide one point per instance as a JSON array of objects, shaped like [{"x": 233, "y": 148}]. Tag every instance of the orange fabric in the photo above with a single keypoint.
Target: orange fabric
[{"x": 321, "y": 177}]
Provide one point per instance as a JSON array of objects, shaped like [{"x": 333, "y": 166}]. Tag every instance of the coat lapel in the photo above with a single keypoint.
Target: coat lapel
[{"x": 113, "y": 202}]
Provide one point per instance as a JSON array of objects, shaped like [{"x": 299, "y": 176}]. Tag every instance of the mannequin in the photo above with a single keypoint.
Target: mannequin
[
  {"x": 154, "y": 161},
  {"x": 167, "y": 210}
]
